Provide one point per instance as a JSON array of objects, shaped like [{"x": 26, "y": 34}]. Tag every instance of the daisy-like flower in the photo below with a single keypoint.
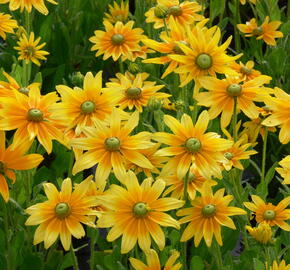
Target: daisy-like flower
[
  {"x": 281, "y": 266},
  {"x": 118, "y": 40},
  {"x": 285, "y": 170},
  {"x": 203, "y": 56},
  {"x": 246, "y": 72},
  {"x": 185, "y": 13},
  {"x": 62, "y": 214},
  {"x": 262, "y": 233},
  {"x": 6, "y": 25},
  {"x": 118, "y": 12},
  {"x": 28, "y": 4},
  {"x": 79, "y": 106},
  {"x": 267, "y": 31},
  {"x": 269, "y": 213},
  {"x": 191, "y": 145},
  {"x": 153, "y": 262},
  {"x": 208, "y": 213},
  {"x": 14, "y": 159},
  {"x": 280, "y": 107},
  {"x": 112, "y": 147},
  {"x": 222, "y": 94},
  {"x": 135, "y": 93},
  {"x": 136, "y": 212},
  {"x": 30, "y": 50},
  {"x": 30, "y": 115}
]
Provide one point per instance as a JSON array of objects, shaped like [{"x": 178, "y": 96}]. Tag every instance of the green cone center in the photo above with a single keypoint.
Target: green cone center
[
  {"x": 246, "y": 70},
  {"x": 112, "y": 144},
  {"x": 24, "y": 90},
  {"x": 228, "y": 155},
  {"x": 258, "y": 31},
  {"x": 191, "y": 177},
  {"x": 88, "y": 107},
  {"x": 160, "y": 11},
  {"x": 35, "y": 115},
  {"x": 29, "y": 51},
  {"x": 175, "y": 11},
  {"x": 117, "y": 39},
  {"x": 133, "y": 92},
  {"x": 204, "y": 61},
  {"x": 140, "y": 209},
  {"x": 208, "y": 210},
  {"x": 62, "y": 210},
  {"x": 234, "y": 89},
  {"x": 269, "y": 214},
  {"x": 193, "y": 145}
]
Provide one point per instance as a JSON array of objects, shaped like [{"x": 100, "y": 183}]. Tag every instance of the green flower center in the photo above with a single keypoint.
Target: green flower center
[
  {"x": 88, "y": 107},
  {"x": 112, "y": 144},
  {"x": 35, "y": 115},
  {"x": 140, "y": 209},
  {"x": 29, "y": 51},
  {"x": 117, "y": 39},
  {"x": 160, "y": 11},
  {"x": 228, "y": 155},
  {"x": 246, "y": 70},
  {"x": 62, "y": 210},
  {"x": 191, "y": 177},
  {"x": 204, "y": 61},
  {"x": 24, "y": 90},
  {"x": 208, "y": 210},
  {"x": 258, "y": 31},
  {"x": 175, "y": 11},
  {"x": 269, "y": 214},
  {"x": 133, "y": 92},
  {"x": 234, "y": 89},
  {"x": 193, "y": 145}
]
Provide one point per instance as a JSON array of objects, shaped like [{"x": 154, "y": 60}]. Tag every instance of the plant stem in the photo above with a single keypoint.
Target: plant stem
[
  {"x": 74, "y": 258},
  {"x": 121, "y": 65},
  {"x": 237, "y": 21},
  {"x": 94, "y": 237},
  {"x": 264, "y": 161},
  {"x": 234, "y": 121},
  {"x": 165, "y": 26},
  {"x": 217, "y": 255}
]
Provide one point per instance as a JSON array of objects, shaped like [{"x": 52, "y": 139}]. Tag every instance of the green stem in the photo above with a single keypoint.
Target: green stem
[
  {"x": 165, "y": 26},
  {"x": 234, "y": 121},
  {"x": 74, "y": 258},
  {"x": 92, "y": 249},
  {"x": 237, "y": 21},
  {"x": 264, "y": 161},
  {"x": 222, "y": 12},
  {"x": 217, "y": 254},
  {"x": 254, "y": 10},
  {"x": 27, "y": 22},
  {"x": 121, "y": 65}
]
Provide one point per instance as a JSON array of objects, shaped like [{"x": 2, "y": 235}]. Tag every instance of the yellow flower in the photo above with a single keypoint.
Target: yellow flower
[
  {"x": 11, "y": 159},
  {"x": 191, "y": 145},
  {"x": 62, "y": 214},
  {"x": 135, "y": 93},
  {"x": 6, "y": 24},
  {"x": 153, "y": 262},
  {"x": 30, "y": 50},
  {"x": 269, "y": 213},
  {"x": 281, "y": 266},
  {"x": 136, "y": 212},
  {"x": 246, "y": 72},
  {"x": 267, "y": 31},
  {"x": 243, "y": 2},
  {"x": 185, "y": 13},
  {"x": 285, "y": 170},
  {"x": 111, "y": 146},
  {"x": 80, "y": 106},
  {"x": 118, "y": 12},
  {"x": 280, "y": 107},
  {"x": 28, "y": 4},
  {"x": 262, "y": 233},
  {"x": 118, "y": 40},
  {"x": 208, "y": 213},
  {"x": 222, "y": 93},
  {"x": 31, "y": 117}
]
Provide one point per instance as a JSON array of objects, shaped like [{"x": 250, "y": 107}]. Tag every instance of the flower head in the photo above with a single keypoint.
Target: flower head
[
  {"x": 285, "y": 170},
  {"x": 246, "y": 71},
  {"x": 6, "y": 24},
  {"x": 262, "y": 234},
  {"x": 281, "y": 266},
  {"x": 118, "y": 13}
]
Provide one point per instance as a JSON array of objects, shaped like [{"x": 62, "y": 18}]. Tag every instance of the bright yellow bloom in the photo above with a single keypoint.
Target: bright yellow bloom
[
  {"x": 222, "y": 94},
  {"x": 280, "y": 107},
  {"x": 269, "y": 213},
  {"x": 281, "y": 266},
  {"x": 11, "y": 159},
  {"x": 111, "y": 146},
  {"x": 118, "y": 40},
  {"x": 185, "y": 13},
  {"x": 262, "y": 233},
  {"x": 246, "y": 72},
  {"x": 267, "y": 31},
  {"x": 62, "y": 214},
  {"x": 191, "y": 145},
  {"x": 243, "y": 2},
  {"x": 208, "y": 213},
  {"x": 118, "y": 12},
  {"x": 285, "y": 170},
  {"x": 153, "y": 262},
  {"x": 6, "y": 24},
  {"x": 136, "y": 212},
  {"x": 30, "y": 115},
  {"x": 80, "y": 106},
  {"x": 28, "y": 4},
  {"x": 30, "y": 50},
  {"x": 136, "y": 93}
]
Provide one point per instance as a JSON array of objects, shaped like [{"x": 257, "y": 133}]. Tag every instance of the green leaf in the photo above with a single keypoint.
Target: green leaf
[
  {"x": 196, "y": 263},
  {"x": 32, "y": 261},
  {"x": 258, "y": 265}
]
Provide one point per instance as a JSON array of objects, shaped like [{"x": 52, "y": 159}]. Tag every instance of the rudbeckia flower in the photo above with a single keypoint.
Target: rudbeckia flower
[
  {"x": 262, "y": 233},
  {"x": 208, "y": 213},
  {"x": 285, "y": 170},
  {"x": 281, "y": 266},
  {"x": 6, "y": 24},
  {"x": 246, "y": 71},
  {"x": 118, "y": 12},
  {"x": 62, "y": 214},
  {"x": 267, "y": 31},
  {"x": 136, "y": 212}
]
